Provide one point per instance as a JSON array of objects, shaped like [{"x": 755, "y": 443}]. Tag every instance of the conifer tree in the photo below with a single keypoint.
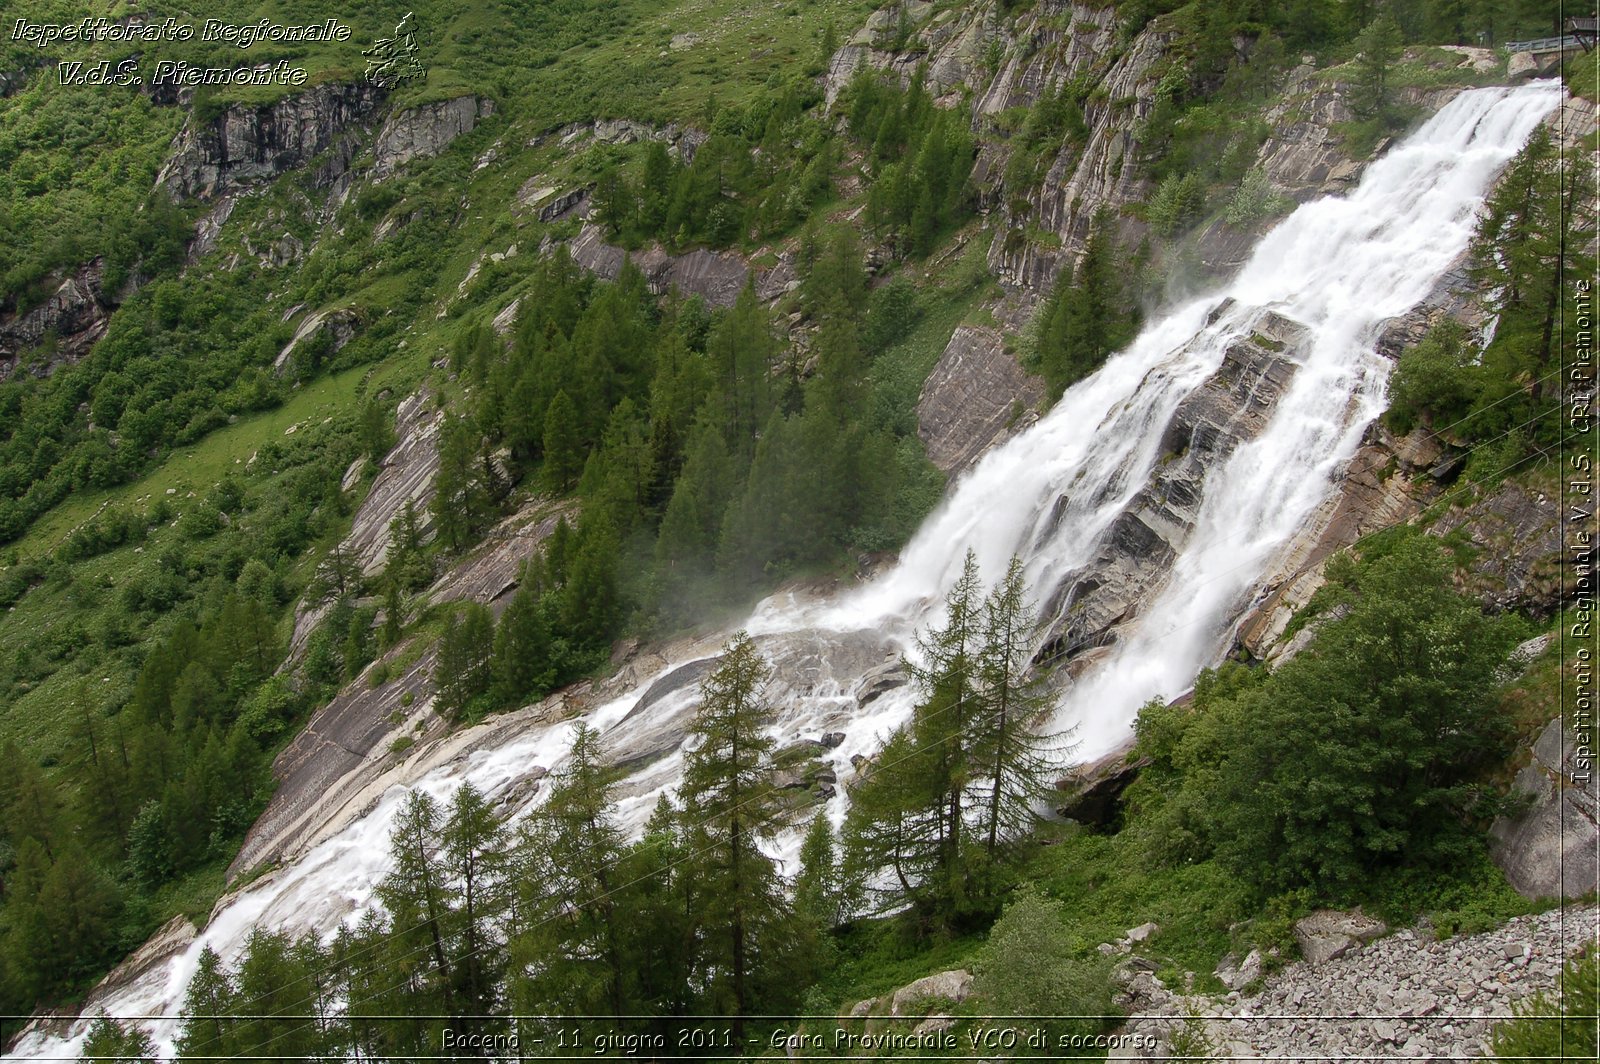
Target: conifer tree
[
  {"x": 891, "y": 828},
  {"x": 462, "y": 671},
  {"x": 743, "y": 350},
  {"x": 207, "y": 1034},
  {"x": 731, "y": 802},
  {"x": 967, "y": 749},
  {"x": 112, "y": 1043},
  {"x": 525, "y": 664},
  {"x": 1379, "y": 46},
  {"x": 406, "y": 566},
  {"x": 563, "y": 446},
  {"x": 1090, "y": 315},
  {"x": 659, "y": 927},
  {"x": 1523, "y": 252},
  {"x": 458, "y": 498},
  {"x": 571, "y": 957},
  {"x": 393, "y": 613},
  {"x": 591, "y": 602},
  {"x": 655, "y": 188},
  {"x": 418, "y": 898},
  {"x": 687, "y": 540},
  {"x": 473, "y": 852},
  {"x": 280, "y": 996},
  {"x": 949, "y": 676},
  {"x": 1003, "y": 742}
]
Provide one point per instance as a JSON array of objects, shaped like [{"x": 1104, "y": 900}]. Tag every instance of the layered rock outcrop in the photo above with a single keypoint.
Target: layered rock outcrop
[
  {"x": 716, "y": 276},
  {"x": 246, "y": 144},
  {"x": 976, "y": 396},
  {"x": 423, "y": 132},
  {"x": 75, "y": 315},
  {"x": 1552, "y": 849},
  {"x": 1085, "y": 606}
]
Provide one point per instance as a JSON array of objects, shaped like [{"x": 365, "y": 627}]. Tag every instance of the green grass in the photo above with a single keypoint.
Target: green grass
[
  {"x": 1110, "y": 885},
  {"x": 197, "y": 468},
  {"x": 949, "y": 294},
  {"x": 193, "y": 895},
  {"x": 878, "y": 956},
  {"x": 1581, "y": 73}
]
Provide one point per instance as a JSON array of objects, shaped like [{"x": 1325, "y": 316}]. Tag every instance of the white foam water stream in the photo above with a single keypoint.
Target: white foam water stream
[{"x": 1339, "y": 266}]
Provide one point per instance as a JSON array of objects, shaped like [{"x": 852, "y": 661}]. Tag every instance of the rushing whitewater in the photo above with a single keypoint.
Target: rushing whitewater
[{"x": 1339, "y": 267}]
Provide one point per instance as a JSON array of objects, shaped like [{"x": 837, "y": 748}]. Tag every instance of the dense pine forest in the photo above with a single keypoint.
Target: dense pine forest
[{"x": 181, "y": 479}]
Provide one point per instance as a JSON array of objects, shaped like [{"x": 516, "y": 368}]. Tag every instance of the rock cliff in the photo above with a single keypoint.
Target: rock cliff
[
  {"x": 423, "y": 132},
  {"x": 715, "y": 276},
  {"x": 1552, "y": 849},
  {"x": 1084, "y": 607},
  {"x": 246, "y": 144},
  {"x": 75, "y": 316},
  {"x": 976, "y": 397}
]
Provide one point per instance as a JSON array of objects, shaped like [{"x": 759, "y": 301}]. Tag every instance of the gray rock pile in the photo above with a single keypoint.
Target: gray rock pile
[{"x": 1403, "y": 996}]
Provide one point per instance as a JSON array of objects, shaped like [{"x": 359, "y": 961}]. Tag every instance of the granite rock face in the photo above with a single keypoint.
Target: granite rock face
[
  {"x": 491, "y": 571},
  {"x": 993, "y": 63},
  {"x": 76, "y": 313},
  {"x": 340, "y": 325},
  {"x": 976, "y": 396},
  {"x": 1516, "y": 532},
  {"x": 716, "y": 276},
  {"x": 327, "y": 771},
  {"x": 423, "y": 132},
  {"x": 327, "y": 760},
  {"x": 1552, "y": 850},
  {"x": 406, "y": 475},
  {"x": 246, "y": 144},
  {"x": 1083, "y": 609}
]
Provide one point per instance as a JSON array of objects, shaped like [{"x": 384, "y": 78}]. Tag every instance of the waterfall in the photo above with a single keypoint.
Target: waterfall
[{"x": 1336, "y": 270}]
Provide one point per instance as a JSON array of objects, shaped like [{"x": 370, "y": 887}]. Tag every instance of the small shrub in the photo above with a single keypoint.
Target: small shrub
[
  {"x": 1029, "y": 968},
  {"x": 1559, "y": 1026}
]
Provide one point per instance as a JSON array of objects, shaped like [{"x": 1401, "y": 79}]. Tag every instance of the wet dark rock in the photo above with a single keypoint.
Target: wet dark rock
[
  {"x": 676, "y": 680},
  {"x": 1094, "y": 791}
]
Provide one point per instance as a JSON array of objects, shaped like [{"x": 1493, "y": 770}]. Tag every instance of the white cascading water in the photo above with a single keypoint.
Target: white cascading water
[{"x": 1339, "y": 266}]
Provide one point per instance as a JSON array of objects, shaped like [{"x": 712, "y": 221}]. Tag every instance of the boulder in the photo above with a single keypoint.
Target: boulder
[
  {"x": 1521, "y": 66},
  {"x": 1236, "y": 974},
  {"x": 1142, "y": 933},
  {"x": 1330, "y": 933},
  {"x": 954, "y": 986}
]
